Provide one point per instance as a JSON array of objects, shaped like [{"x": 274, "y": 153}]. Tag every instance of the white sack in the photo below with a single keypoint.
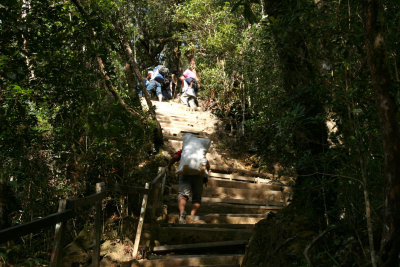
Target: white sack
[{"x": 193, "y": 159}]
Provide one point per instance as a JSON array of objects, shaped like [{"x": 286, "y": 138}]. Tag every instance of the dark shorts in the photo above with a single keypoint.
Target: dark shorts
[{"x": 191, "y": 185}]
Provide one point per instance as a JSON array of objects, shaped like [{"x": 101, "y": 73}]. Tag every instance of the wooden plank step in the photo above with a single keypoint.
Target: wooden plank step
[
  {"x": 259, "y": 196},
  {"x": 178, "y": 136},
  {"x": 193, "y": 260},
  {"x": 172, "y": 117},
  {"x": 169, "y": 123},
  {"x": 242, "y": 201},
  {"x": 222, "y": 182},
  {"x": 213, "y": 207},
  {"x": 215, "y": 218},
  {"x": 231, "y": 170},
  {"x": 252, "y": 179},
  {"x": 181, "y": 234},
  {"x": 218, "y": 265},
  {"x": 178, "y": 129},
  {"x": 251, "y": 173},
  {"x": 215, "y": 182},
  {"x": 211, "y": 225},
  {"x": 195, "y": 246}
]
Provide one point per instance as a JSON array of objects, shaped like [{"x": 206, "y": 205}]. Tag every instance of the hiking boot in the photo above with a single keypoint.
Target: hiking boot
[{"x": 182, "y": 218}]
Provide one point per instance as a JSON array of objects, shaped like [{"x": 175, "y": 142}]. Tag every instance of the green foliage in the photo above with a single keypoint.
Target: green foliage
[
  {"x": 60, "y": 129},
  {"x": 284, "y": 77}
]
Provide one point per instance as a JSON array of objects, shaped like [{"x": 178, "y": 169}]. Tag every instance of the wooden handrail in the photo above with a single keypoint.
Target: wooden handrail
[
  {"x": 34, "y": 226},
  {"x": 86, "y": 201},
  {"x": 128, "y": 189},
  {"x": 67, "y": 210},
  {"x": 54, "y": 218},
  {"x": 161, "y": 173}
]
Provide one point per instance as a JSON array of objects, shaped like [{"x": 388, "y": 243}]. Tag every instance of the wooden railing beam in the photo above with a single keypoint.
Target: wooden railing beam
[{"x": 17, "y": 231}]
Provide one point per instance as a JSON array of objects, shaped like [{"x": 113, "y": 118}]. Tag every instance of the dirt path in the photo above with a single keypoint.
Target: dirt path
[{"x": 176, "y": 119}]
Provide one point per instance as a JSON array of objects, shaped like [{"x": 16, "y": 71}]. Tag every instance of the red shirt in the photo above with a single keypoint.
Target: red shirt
[{"x": 179, "y": 153}]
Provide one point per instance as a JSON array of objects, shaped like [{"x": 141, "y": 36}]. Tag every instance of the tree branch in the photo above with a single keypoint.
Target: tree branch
[
  {"x": 313, "y": 242},
  {"x": 112, "y": 90}
]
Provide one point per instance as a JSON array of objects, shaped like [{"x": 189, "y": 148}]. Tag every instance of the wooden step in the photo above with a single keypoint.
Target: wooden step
[
  {"x": 260, "y": 196},
  {"x": 242, "y": 201},
  {"x": 214, "y": 207},
  {"x": 240, "y": 196},
  {"x": 211, "y": 225},
  {"x": 221, "y": 182},
  {"x": 169, "y": 119},
  {"x": 251, "y": 173},
  {"x": 219, "y": 219},
  {"x": 178, "y": 124},
  {"x": 218, "y": 265},
  {"x": 271, "y": 201},
  {"x": 215, "y": 182},
  {"x": 178, "y": 136},
  {"x": 172, "y": 116},
  {"x": 179, "y": 129},
  {"x": 183, "y": 235},
  {"x": 236, "y": 177},
  {"x": 193, "y": 260},
  {"x": 213, "y": 265},
  {"x": 200, "y": 246}
]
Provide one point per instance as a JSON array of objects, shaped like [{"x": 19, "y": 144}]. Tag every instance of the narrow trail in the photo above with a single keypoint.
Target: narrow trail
[{"x": 233, "y": 201}]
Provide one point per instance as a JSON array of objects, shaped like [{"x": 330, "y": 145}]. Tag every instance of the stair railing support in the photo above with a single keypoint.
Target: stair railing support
[
  {"x": 59, "y": 237},
  {"x": 140, "y": 223},
  {"x": 100, "y": 187}
]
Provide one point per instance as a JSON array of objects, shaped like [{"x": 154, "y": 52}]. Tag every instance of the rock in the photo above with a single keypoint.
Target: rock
[{"x": 117, "y": 250}]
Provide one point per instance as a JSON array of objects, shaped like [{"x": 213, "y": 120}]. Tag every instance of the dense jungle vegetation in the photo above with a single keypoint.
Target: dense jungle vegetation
[{"x": 310, "y": 84}]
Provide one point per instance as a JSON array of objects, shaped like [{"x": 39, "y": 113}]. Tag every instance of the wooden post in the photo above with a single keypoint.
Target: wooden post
[
  {"x": 97, "y": 228},
  {"x": 162, "y": 187},
  {"x": 140, "y": 224},
  {"x": 154, "y": 201},
  {"x": 155, "y": 195},
  {"x": 56, "y": 255}
]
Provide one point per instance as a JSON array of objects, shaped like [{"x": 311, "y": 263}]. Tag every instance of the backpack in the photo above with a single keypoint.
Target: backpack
[
  {"x": 193, "y": 158},
  {"x": 159, "y": 73},
  {"x": 194, "y": 84}
]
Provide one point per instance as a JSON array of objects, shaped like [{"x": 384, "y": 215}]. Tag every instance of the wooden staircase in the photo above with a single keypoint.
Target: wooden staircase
[{"x": 232, "y": 202}]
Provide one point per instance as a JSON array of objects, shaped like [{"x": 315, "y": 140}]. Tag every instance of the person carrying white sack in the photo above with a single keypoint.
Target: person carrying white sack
[{"x": 193, "y": 172}]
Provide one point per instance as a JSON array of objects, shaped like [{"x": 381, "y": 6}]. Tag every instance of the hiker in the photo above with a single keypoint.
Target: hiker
[
  {"x": 174, "y": 85},
  {"x": 146, "y": 82},
  {"x": 193, "y": 172},
  {"x": 188, "y": 97},
  {"x": 157, "y": 78},
  {"x": 191, "y": 78},
  {"x": 166, "y": 88}
]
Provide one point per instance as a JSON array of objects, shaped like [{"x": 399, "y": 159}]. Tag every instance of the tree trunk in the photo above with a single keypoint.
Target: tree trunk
[
  {"x": 112, "y": 90},
  {"x": 385, "y": 102},
  {"x": 310, "y": 134},
  {"x": 125, "y": 46},
  {"x": 106, "y": 78},
  {"x": 131, "y": 84}
]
